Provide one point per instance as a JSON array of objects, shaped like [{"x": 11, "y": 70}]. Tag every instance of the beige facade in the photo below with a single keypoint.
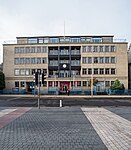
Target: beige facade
[{"x": 107, "y": 60}]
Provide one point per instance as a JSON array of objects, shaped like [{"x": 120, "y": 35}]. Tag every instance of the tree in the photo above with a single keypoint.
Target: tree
[
  {"x": 95, "y": 81},
  {"x": 2, "y": 80},
  {"x": 117, "y": 85}
]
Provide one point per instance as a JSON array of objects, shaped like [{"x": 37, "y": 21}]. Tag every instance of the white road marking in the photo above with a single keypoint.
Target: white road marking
[
  {"x": 6, "y": 111},
  {"x": 10, "y": 99},
  {"x": 114, "y": 131}
]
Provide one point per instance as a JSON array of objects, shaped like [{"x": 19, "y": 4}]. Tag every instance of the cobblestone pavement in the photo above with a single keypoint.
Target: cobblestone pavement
[
  {"x": 51, "y": 128},
  {"x": 65, "y": 128},
  {"x": 124, "y": 112},
  {"x": 114, "y": 130}
]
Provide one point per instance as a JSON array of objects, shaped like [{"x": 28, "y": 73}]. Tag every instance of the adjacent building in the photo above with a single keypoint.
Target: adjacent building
[
  {"x": 129, "y": 67},
  {"x": 70, "y": 62}
]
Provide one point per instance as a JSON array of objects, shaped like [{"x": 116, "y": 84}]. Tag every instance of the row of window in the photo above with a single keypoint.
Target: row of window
[
  {"x": 30, "y": 61},
  {"x": 73, "y": 62},
  {"x": 39, "y": 49},
  {"x": 98, "y": 49},
  {"x": 27, "y": 72},
  {"x": 55, "y": 83},
  {"x": 90, "y": 60},
  {"x": 43, "y": 49},
  {"x": 101, "y": 71},
  {"x": 68, "y": 40}
]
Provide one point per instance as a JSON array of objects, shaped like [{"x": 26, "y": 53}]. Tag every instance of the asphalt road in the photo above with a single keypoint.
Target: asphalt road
[{"x": 20, "y": 101}]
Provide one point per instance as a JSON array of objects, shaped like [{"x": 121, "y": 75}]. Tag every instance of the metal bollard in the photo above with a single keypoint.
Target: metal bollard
[{"x": 60, "y": 103}]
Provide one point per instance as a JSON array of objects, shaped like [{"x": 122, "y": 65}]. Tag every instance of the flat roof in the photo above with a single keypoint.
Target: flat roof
[{"x": 72, "y": 36}]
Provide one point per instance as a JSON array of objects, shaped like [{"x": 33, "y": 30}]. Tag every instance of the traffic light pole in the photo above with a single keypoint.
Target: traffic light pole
[{"x": 39, "y": 91}]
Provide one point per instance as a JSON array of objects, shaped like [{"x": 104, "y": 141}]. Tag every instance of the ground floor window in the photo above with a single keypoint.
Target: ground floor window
[
  {"x": 84, "y": 83},
  {"x": 22, "y": 84},
  {"x": 50, "y": 83},
  {"x": 16, "y": 83}
]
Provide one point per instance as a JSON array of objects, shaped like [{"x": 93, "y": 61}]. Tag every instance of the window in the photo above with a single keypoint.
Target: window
[
  {"x": 40, "y": 40},
  {"x": 83, "y": 49},
  {"x": 16, "y": 61},
  {"x": 39, "y": 71},
  {"x": 84, "y": 60},
  {"x": 21, "y": 49},
  {"x": 75, "y": 40},
  {"x": 27, "y": 50},
  {"x": 113, "y": 71},
  {"x": 113, "y": 60},
  {"x": 44, "y": 49},
  {"x": 84, "y": 71},
  {"x": 95, "y": 59},
  {"x": 33, "y": 60},
  {"x": 46, "y": 40},
  {"x": 89, "y": 60},
  {"x": 22, "y": 72},
  {"x": 16, "y": 83},
  {"x": 54, "y": 40},
  {"x": 84, "y": 83},
  {"x": 112, "y": 48},
  {"x": 44, "y": 60},
  {"x": 101, "y": 71},
  {"x": 32, "y": 49},
  {"x": 107, "y": 60},
  {"x": 112, "y": 82},
  {"x": 101, "y": 59},
  {"x": 17, "y": 72},
  {"x": 96, "y": 40},
  {"x": 16, "y": 49},
  {"x": 107, "y": 83},
  {"x": 38, "y": 49},
  {"x": 22, "y": 60},
  {"x": 45, "y": 71},
  {"x": 78, "y": 83},
  {"x": 95, "y": 48},
  {"x": 32, "y": 40},
  {"x": 89, "y": 71},
  {"x": 45, "y": 84},
  {"x": 89, "y": 48},
  {"x": 95, "y": 70},
  {"x": 50, "y": 83},
  {"x": 22, "y": 84},
  {"x": 107, "y": 71},
  {"x": 33, "y": 71},
  {"x": 101, "y": 49},
  {"x": 27, "y": 72},
  {"x": 106, "y": 48},
  {"x": 27, "y": 61},
  {"x": 38, "y": 60}
]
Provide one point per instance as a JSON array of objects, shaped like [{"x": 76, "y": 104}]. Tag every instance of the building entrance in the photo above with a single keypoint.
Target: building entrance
[{"x": 64, "y": 87}]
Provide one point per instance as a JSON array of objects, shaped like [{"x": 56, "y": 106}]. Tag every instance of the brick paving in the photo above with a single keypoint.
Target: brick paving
[
  {"x": 65, "y": 128},
  {"x": 114, "y": 130},
  {"x": 124, "y": 112}
]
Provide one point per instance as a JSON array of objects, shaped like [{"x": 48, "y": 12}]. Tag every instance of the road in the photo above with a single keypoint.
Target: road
[{"x": 52, "y": 101}]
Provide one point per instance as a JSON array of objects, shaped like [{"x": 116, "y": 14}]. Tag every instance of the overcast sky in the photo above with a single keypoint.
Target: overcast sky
[{"x": 46, "y": 17}]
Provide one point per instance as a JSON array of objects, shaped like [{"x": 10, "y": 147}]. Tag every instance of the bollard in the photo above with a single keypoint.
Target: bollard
[{"x": 60, "y": 103}]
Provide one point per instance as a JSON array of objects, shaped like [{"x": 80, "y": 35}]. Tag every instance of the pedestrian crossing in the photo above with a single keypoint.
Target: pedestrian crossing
[
  {"x": 114, "y": 131},
  {"x": 6, "y": 111}
]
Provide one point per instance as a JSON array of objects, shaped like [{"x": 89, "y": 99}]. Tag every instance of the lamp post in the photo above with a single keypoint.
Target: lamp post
[{"x": 92, "y": 74}]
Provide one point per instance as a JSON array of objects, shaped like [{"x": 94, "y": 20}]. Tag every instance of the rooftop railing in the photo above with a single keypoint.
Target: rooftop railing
[{"x": 26, "y": 42}]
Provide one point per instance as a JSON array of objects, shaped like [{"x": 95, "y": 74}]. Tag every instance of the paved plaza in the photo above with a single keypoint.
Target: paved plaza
[{"x": 65, "y": 128}]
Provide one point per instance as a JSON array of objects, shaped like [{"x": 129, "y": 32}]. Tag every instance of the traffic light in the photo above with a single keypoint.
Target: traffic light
[
  {"x": 43, "y": 77},
  {"x": 36, "y": 78}
]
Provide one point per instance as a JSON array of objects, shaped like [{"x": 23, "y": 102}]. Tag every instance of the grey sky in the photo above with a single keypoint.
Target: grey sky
[{"x": 46, "y": 17}]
